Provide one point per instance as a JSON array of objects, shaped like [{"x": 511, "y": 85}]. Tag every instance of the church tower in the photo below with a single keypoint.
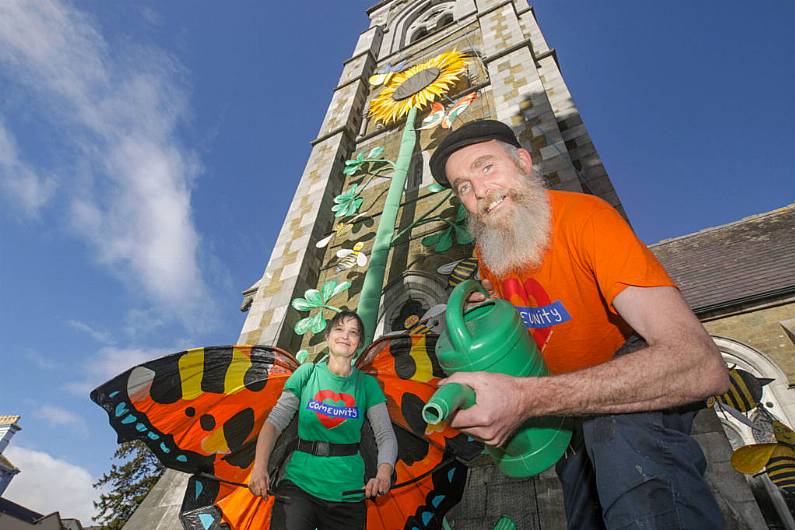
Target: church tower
[{"x": 328, "y": 240}]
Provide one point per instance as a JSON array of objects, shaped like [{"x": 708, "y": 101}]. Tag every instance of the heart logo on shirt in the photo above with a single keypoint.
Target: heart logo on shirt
[{"x": 329, "y": 397}]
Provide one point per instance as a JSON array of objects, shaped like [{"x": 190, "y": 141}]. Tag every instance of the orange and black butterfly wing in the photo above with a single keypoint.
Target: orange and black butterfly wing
[
  {"x": 408, "y": 371},
  {"x": 211, "y": 505},
  {"x": 200, "y": 411},
  {"x": 428, "y": 459}
]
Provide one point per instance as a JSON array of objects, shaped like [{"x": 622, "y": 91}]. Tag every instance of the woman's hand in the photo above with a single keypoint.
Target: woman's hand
[
  {"x": 259, "y": 481},
  {"x": 380, "y": 484}
]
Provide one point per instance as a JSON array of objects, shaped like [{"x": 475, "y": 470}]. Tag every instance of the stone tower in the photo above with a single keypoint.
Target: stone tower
[{"x": 513, "y": 76}]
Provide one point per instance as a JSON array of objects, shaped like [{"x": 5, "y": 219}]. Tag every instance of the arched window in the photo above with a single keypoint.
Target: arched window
[
  {"x": 420, "y": 33},
  {"x": 414, "y": 290},
  {"x": 445, "y": 20},
  {"x": 776, "y": 398},
  {"x": 416, "y": 21}
]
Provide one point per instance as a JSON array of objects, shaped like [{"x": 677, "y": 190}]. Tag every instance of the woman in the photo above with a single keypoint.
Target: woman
[{"x": 331, "y": 397}]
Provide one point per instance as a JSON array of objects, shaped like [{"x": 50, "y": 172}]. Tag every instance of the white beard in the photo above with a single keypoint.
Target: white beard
[{"x": 518, "y": 238}]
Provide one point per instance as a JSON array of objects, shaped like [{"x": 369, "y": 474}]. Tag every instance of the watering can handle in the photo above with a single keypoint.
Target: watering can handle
[{"x": 456, "y": 328}]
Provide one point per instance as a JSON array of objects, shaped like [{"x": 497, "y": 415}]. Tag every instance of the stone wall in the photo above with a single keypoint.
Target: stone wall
[{"x": 763, "y": 328}]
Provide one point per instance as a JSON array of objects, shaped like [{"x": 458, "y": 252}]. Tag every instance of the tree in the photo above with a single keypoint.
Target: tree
[{"x": 127, "y": 484}]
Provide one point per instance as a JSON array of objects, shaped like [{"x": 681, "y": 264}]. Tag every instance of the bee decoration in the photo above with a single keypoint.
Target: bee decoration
[
  {"x": 460, "y": 270},
  {"x": 776, "y": 459},
  {"x": 432, "y": 321},
  {"x": 745, "y": 391},
  {"x": 351, "y": 257}
]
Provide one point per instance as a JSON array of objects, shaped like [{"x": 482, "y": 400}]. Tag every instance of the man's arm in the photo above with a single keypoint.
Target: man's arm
[{"x": 681, "y": 364}]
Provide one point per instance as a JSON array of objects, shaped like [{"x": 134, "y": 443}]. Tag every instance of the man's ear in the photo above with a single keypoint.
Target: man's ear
[{"x": 526, "y": 158}]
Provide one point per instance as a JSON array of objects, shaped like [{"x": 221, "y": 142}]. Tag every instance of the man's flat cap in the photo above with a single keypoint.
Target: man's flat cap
[{"x": 473, "y": 132}]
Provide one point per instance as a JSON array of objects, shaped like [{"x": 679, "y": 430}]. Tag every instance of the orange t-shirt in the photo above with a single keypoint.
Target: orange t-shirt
[{"x": 567, "y": 302}]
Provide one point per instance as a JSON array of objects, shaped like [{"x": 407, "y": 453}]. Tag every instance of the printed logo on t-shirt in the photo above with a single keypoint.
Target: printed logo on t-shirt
[
  {"x": 545, "y": 316},
  {"x": 327, "y": 408},
  {"x": 539, "y": 313}
]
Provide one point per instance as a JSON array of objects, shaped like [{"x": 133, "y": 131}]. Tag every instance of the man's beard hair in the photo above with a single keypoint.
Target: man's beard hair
[{"x": 516, "y": 239}]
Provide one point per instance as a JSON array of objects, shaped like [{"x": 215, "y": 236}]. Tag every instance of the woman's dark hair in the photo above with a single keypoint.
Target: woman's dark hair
[{"x": 344, "y": 315}]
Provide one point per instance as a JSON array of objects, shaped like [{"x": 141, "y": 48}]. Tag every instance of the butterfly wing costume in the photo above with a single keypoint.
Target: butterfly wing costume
[{"x": 200, "y": 412}]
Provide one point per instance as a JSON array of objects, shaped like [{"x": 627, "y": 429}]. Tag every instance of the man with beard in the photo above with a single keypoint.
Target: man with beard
[{"x": 624, "y": 350}]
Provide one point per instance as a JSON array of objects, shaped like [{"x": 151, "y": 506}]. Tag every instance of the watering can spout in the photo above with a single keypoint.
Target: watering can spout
[{"x": 445, "y": 401}]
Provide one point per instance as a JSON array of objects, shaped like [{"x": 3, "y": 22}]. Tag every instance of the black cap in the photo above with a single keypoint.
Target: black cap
[{"x": 473, "y": 132}]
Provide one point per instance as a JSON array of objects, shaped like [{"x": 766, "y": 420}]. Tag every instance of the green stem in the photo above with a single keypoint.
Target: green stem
[
  {"x": 422, "y": 220},
  {"x": 370, "y": 298},
  {"x": 332, "y": 308},
  {"x": 380, "y": 160}
]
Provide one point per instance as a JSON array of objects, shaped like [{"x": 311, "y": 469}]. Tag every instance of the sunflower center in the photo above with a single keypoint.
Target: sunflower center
[{"x": 415, "y": 83}]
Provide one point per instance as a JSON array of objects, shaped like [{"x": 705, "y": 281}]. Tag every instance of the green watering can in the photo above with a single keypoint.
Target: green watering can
[{"x": 491, "y": 337}]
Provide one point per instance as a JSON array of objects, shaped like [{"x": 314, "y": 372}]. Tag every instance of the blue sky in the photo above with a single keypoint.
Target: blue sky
[{"x": 149, "y": 152}]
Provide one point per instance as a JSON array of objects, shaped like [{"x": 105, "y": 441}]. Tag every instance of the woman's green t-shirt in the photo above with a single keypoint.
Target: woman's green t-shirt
[{"x": 331, "y": 409}]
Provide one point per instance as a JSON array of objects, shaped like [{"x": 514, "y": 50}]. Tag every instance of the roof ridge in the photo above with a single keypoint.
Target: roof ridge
[
  {"x": 9, "y": 419},
  {"x": 777, "y": 211}
]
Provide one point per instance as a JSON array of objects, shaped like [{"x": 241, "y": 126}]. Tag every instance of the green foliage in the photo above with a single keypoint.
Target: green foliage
[
  {"x": 456, "y": 229},
  {"x": 361, "y": 161},
  {"x": 314, "y": 299},
  {"x": 302, "y": 356},
  {"x": 126, "y": 484},
  {"x": 348, "y": 203}
]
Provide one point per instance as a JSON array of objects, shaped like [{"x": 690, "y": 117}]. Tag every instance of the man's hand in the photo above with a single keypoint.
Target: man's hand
[
  {"x": 500, "y": 407},
  {"x": 380, "y": 484},
  {"x": 478, "y": 297},
  {"x": 259, "y": 482}
]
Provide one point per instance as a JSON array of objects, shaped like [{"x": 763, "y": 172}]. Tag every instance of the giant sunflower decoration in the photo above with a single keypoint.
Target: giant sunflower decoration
[
  {"x": 418, "y": 86},
  {"x": 405, "y": 94}
]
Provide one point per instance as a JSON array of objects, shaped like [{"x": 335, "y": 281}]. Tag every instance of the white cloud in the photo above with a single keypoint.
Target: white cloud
[
  {"x": 119, "y": 106},
  {"x": 47, "y": 484},
  {"x": 102, "y": 337},
  {"x": 41, "y": 361},
  {"x": 28, "y": 190},
  {"x": 109, "y": 362},
  {"x": 137, "y": 322},
  {"x": 60, "y": 417}
]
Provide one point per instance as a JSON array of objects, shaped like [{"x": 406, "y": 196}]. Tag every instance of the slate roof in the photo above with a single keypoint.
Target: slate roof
[
  {"x": 17, "y": 511},
  {"x": 744, "y": 261}
]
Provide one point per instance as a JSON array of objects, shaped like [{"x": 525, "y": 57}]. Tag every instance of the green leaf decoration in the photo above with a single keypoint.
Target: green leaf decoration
[
  {"x": 303, "y": 325},
  {"x": 355, "y": 162},
  {"x": 376, "y": 152},
  {"x": 344, "y": 286},
  {"x": 461, "y": 214},
  {"x": 350, "y": 170},
  {"x": 327, "y": 290},
  {"x": 347, "y": 203},
  {"x": 313, "y": 297},
  {"x": 431, "y": 240},
  {"x": 435, "y": 187},
  {"x": 445, "y": 242},
  {"x": 302, "y": 305},
  {"x": 301, "y": 356},
  {"x": 462, "y": 235},
  {"x": 318, "y": 322}
]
